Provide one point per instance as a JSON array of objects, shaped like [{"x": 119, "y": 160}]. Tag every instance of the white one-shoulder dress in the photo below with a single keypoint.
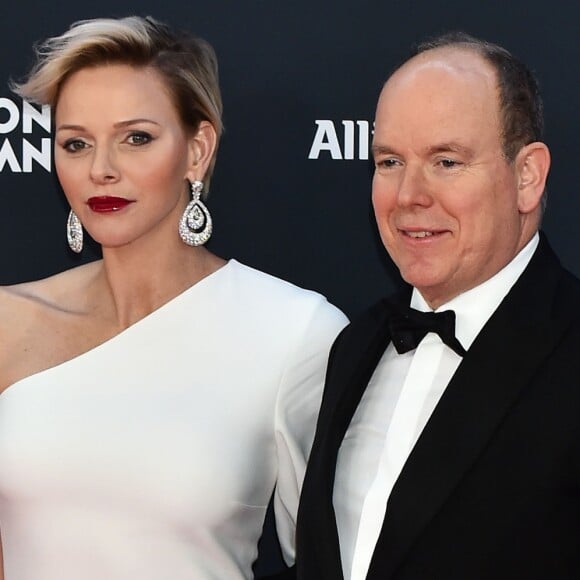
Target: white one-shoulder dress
[{"x": 154, "y": 455}]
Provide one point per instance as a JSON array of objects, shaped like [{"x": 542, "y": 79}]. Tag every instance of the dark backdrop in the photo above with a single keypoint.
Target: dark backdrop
[{"x": 288, "y": 70}]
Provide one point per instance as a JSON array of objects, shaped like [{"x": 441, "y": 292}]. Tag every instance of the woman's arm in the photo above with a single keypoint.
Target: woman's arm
[{"x": 296, "y": 412}]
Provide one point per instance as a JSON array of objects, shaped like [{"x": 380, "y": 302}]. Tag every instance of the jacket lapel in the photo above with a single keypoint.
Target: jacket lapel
[
  {"x": 317, "y": 538},
  {"x": 495, "y": 371}
]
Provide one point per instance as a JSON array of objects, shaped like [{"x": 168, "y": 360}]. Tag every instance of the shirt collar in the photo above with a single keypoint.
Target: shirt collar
[{"x": 474, "y": 307}]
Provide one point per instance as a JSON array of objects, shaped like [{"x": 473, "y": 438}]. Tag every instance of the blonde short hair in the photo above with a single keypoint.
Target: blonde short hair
[{"x": 187, "y": 64}]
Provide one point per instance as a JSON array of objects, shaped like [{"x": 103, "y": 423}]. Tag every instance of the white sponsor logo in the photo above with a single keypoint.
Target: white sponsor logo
[
  {"x": 353, "y": 142},
  {"x": 20, "y": 146}
]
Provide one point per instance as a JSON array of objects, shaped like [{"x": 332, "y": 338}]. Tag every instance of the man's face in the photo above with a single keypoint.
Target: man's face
[{"x": 445, "y": 198}]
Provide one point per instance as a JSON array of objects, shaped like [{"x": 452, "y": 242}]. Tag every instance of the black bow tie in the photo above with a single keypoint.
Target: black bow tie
[{"x": 409, "y": 326}]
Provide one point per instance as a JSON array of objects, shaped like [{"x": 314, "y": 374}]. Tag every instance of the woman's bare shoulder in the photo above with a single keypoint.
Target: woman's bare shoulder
[
  {"x": 36, "y": 319},
  {"x": 58, "y": 292}
]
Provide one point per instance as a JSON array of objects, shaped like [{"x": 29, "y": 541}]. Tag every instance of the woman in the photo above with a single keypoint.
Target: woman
[{"x": 150, "y": 401}]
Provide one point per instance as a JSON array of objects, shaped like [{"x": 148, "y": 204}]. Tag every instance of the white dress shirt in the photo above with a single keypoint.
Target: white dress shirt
[{"x": 395, "y": 407}]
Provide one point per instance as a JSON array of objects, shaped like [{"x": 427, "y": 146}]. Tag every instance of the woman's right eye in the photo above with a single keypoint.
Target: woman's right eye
[{"x": 74, "y": 145}]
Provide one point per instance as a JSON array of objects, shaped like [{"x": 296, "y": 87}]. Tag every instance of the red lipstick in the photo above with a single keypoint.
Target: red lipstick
[{"x": 105, "y": 203}]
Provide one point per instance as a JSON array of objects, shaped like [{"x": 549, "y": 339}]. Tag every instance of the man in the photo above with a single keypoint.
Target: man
[{"x": 457, "y": 456}]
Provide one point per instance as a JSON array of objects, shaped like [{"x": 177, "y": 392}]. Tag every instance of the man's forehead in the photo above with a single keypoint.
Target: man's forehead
[{"x": 445, "y": 98}]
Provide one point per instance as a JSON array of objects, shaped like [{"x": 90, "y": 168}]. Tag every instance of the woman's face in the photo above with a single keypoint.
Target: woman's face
[{"x": 122, "y": 155}]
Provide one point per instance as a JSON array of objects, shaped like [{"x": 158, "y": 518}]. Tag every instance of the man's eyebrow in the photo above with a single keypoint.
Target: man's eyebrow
[
  {"x": 382, "y": 149},
  {"x": 444, "y": 147},
  {"x": 448, "y": 147}
]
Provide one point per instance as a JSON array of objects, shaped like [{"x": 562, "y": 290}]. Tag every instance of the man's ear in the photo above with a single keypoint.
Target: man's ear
[
  {"x": 201, "y": 149},
  {"x": 532, "y": 166}
]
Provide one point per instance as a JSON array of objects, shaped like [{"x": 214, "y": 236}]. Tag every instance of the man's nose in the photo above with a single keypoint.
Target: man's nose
[{"x": 413, "y": 187}]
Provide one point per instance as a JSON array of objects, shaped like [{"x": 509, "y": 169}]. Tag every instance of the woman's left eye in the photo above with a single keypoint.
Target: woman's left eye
[{"x": 139, "y": 138}]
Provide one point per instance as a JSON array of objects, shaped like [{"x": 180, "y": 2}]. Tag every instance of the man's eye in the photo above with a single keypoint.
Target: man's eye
[
  {"x": 448, "y": 163},
  {"x": 387, "y": 163}
]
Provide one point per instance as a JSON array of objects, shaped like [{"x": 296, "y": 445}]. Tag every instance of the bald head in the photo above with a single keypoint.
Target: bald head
[
  {"x": 452, "y": 60},
  {"x": 449, "y": 81},
  {"x": 520, "y": 102},
  {"x": 452, "y": 208}
]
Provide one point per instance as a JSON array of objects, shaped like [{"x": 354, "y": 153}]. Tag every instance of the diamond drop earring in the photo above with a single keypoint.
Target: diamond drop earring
[
  {"x": 195, "y": 225},
  {"x": 74, "y": 232}
]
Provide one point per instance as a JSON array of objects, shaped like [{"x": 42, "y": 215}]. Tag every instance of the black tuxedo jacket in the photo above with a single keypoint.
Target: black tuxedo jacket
[{"x": 491, "y": 490}]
